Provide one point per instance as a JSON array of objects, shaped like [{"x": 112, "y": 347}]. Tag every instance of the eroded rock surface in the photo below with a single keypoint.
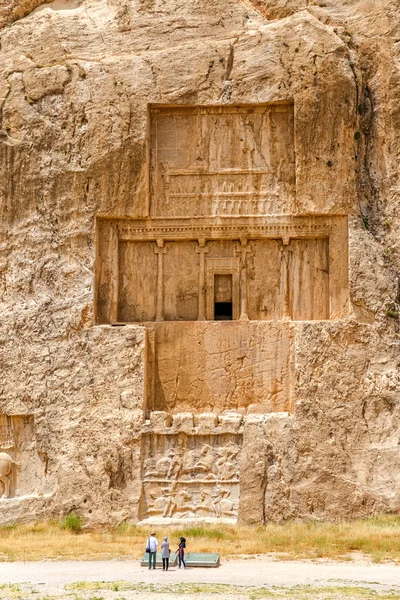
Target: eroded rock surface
[{"x": 305, "y": 395}]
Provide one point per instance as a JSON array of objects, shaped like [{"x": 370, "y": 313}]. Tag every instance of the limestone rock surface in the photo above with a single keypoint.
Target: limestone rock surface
[{"x": 76, "y": 81}]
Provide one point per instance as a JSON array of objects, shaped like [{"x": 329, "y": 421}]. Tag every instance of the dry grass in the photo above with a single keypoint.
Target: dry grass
[
  {"x": 195, "y": 591},
  {"x": 378, "y": 537},
  {"x": 215, "y": 590}
]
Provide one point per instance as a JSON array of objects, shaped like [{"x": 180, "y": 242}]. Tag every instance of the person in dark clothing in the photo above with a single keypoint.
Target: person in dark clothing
[{"x": 181, "y": 552}]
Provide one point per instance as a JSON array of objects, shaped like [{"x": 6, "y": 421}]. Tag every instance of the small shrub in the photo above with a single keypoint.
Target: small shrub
[
  {"x": 392, "y": 314},
  {"x": 73, "y": 522}
]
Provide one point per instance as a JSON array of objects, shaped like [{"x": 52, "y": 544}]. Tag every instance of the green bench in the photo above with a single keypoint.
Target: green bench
[
  {"x": 202, "y": 559},
  {"x": 192, "y": 559},
  {"x": 173, "y": 559}
]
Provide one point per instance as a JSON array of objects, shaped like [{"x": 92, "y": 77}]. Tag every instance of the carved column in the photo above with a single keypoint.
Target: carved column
[
  {"x": 285, "y": 279},
  {"x": 243, "y": 251},
  {"x": 114, "y": 283},
  {"x": 202, "y": 250},
  {"x": 160, "y": 250}
]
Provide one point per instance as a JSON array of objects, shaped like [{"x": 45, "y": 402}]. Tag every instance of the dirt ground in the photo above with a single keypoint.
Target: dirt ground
[{"x": 246, "y": 579}]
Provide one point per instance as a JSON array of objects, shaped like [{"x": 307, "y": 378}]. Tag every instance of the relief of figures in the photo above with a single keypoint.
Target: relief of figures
[
  {"x": 21, "y": 469},
  {"x": 202, "y": 462},
  {"x": 191, "y": 478},
  {"x": 6, "y": 433},
  {"x": 6, "y": 464},
  {"x": 224, "y": 161},
  {"x": 242, "y": 192},
  {"x": 183, "y": 503}
]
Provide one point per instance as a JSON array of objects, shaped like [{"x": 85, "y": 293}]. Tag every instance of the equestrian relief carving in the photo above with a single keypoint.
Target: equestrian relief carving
[
  {"x": 6, "y": 466},
  {"x": 22, "y": 471},
  {"x": 191, "y": 476}
]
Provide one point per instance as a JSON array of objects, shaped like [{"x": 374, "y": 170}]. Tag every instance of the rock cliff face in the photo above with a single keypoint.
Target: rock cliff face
[{"x": 80, "y": 413}]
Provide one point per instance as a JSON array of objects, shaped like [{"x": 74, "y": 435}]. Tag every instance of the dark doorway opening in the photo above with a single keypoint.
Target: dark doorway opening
[
  {"x": 223, "y": 297},
  {"x": 223, "y": 311}
]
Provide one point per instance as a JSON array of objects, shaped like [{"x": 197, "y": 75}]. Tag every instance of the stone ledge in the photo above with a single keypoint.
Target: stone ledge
[
  {"x": 24, "y": 509},
  {"x": 164, "y": 521},
  {"x": 164, "y": 423}
]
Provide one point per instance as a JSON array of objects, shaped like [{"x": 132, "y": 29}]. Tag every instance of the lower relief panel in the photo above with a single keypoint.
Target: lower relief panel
[{"x": 190, "y": 476}]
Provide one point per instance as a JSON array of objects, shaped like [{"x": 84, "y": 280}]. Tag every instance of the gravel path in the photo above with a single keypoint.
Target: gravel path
[{"x": 53, "y": 576}]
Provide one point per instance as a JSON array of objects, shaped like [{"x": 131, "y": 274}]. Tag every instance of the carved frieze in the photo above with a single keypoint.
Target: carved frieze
[
  {"x": 190, "y": 476},
  {"x": 223, "y": 228}
]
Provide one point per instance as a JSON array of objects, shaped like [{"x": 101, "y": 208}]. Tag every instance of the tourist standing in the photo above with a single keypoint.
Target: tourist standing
[
  {"x": 165, "y": 554},
  {"x": 181, "y": 552},
  {"x": 151, "y": 548}
]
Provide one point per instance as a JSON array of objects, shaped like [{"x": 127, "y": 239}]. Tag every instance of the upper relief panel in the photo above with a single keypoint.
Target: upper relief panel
[{"x": 222, "y": 160}]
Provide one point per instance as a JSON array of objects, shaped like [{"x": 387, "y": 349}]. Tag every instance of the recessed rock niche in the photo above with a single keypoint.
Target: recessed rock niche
[
  {"x": 222, "y": 269},
  {"x": 221, "y": 263}
]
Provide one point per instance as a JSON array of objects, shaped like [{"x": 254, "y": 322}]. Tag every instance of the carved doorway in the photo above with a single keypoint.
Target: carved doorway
[
  {"x": 223, "y": 289},
  {"x": 223, "y": 300}
]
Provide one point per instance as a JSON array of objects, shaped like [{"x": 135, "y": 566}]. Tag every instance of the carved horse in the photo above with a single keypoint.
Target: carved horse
[{"x": 6, "y": 463}]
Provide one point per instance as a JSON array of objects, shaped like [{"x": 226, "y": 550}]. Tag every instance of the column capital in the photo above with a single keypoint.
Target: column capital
[
  {"x": 160, "y": 249},
  {"x": 202, "y": 248},
  {"x": 243, "y": 249}
]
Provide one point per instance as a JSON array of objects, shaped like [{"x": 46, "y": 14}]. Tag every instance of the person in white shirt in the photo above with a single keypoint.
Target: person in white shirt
[{"x": 151, "y": 547}]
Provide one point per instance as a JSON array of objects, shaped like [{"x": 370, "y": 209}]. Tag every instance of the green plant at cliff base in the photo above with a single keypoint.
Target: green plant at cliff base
[{"x": 73, "y": 522}]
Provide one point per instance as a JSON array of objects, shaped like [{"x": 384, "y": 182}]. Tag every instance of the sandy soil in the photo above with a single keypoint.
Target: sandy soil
[{"x": 51, "y": 577}]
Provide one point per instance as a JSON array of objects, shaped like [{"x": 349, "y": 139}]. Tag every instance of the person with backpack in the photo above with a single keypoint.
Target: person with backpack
[
  {"x": 181, "y": 552},
  {"x": 151, "y": 549}
]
